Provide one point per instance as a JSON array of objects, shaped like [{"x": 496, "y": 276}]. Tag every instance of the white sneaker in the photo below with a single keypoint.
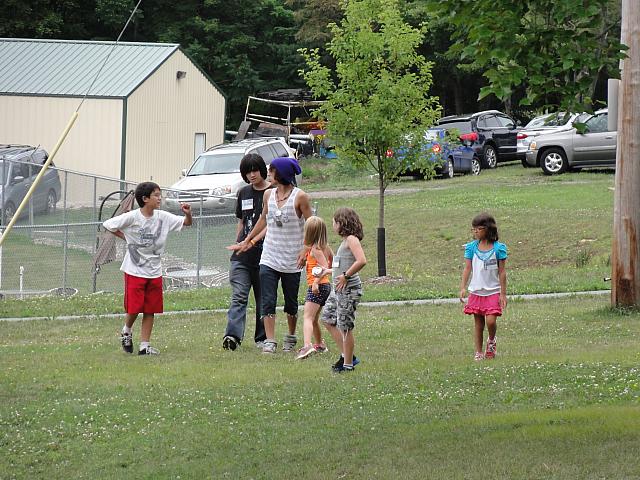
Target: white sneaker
[{"x": 149, "y": 351}]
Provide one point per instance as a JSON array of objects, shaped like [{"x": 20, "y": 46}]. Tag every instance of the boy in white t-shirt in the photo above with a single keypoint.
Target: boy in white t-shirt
[{"x": 145, "y": 230}]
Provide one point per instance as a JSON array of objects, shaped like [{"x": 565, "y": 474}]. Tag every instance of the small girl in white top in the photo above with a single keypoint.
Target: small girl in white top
[{"x": 484, "y": 260}]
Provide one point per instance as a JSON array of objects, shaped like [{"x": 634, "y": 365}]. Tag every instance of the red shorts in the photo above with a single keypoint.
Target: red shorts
[
  {"x": 489, "y": 305},
  {"x": 142, "y": 295}
]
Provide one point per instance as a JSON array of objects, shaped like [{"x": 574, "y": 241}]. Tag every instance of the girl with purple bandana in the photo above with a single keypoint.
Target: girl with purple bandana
[{"x": 285, "y": 209}]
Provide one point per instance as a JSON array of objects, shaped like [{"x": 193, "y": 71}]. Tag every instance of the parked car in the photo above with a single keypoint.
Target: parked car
[
  {"x": 496, "y": 135},
  {"x": 215, "y": 174},
  {"x": 543, "y": 124},
  {"x": 592, "y": 145},
  {"x": 19, "y": 166},
  {"x": 448, "y": 158}
]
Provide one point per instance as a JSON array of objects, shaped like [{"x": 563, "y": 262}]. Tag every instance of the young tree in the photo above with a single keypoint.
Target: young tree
[{"x": 379, "y": 97}]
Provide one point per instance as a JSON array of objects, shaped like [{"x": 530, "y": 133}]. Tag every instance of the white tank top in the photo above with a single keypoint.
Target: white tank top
[{"x": 285, "y": 235}]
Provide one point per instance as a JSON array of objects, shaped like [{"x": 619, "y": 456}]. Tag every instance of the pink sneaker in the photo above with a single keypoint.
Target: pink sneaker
[
  {"x": 491, "y": 348},
  {"x": 305, "y": 351}
]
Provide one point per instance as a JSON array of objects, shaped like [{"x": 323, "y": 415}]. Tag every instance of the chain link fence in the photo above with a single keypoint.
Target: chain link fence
[{"x": 51, "y": 247}]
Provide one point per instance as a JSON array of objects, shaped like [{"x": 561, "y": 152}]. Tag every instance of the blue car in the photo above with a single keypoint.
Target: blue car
[{"x": 448, "y": 158}]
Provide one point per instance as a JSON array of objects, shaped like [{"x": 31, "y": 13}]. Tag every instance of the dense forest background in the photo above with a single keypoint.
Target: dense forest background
[{"x": 250, "y": 46}]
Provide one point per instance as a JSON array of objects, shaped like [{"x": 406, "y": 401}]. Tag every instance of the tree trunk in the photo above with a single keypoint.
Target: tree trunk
[
  {"x": 625, "y": 289},
  {"x": 458, "y": 95},
  {"x": 382, "y": 256}
]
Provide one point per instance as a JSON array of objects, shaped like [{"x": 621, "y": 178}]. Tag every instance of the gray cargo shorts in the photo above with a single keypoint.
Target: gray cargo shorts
[{"x": 340, "y": 309}]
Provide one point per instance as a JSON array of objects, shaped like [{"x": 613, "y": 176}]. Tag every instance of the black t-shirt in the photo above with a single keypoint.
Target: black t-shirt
[{"x": 249, "y": 209}]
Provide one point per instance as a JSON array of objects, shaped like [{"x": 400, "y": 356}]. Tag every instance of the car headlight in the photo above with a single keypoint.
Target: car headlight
[
  {"x": 532, "y": 145},
  {"x": 172, "y": 194},
  {"x": 221, "y": 190}
]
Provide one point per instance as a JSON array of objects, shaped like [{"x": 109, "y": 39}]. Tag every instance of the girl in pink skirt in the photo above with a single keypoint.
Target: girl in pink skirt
[{"x": 484, "y": 261}]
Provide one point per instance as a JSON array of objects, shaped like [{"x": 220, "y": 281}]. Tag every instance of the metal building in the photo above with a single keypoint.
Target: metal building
[{"x": 150, "y": 112}]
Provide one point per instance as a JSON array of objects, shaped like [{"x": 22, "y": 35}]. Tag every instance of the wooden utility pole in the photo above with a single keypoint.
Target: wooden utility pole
[{"x": 625, "y": 258}]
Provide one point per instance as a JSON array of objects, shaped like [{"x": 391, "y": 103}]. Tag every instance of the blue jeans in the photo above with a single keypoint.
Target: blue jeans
[
  {"x": 290, "y": 285},
  {"x": 242, "y": 277}
]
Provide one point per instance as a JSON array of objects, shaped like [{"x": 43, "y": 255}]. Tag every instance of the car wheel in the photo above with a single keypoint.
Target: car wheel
[
  {"x": 52, "y": 199},
  {"x": 447, "y": 171},
  {"x": 553, "y": 161},
  {"x": 475, "y": 166},
  {"x": 490, "y": 157},
  {"x": 9, "y": 212}
]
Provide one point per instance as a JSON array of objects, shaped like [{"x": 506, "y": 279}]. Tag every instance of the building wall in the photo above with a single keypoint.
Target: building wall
[
  {"x": 92, "y": 145},
  {"x": 163, "y": 116}
]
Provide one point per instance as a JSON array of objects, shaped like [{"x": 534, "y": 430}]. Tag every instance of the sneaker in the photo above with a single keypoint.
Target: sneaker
[
  {"x": 289, "y": 343},
  {"x": 491, "y": 349},
  {"x": 229, "y": 343},
  {"x": 340, "y": 362},
  {"x": 127, "y": 342},
  {"x": 305, "y": 352},
  {"x": 478, "y": 356},
  {"x": 149, "y": 351},
  {"x": 320, "y": 347},
  {"x": 260, "y": 344},
  {"x": 269, "y": 346}
]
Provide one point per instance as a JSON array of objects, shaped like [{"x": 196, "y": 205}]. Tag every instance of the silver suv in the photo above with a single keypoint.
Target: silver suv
[
  {"x": 19, "y": 165},
  {"x": 214, "y": 178},
  {"x": 590, "y": 145}
]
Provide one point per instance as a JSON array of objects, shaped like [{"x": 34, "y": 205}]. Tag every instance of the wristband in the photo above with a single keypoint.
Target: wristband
[{"x": 346, "y": 277}]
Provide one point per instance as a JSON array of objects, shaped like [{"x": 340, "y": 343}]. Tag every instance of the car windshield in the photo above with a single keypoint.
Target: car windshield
[
  {"x": 463, "y": 127},
  {"x": 551, "y": 120},
  {"x": 216, "y": 163}
]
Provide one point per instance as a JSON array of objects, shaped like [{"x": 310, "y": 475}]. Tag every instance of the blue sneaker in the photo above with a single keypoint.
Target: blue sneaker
[{"x": 339, "y": 365}]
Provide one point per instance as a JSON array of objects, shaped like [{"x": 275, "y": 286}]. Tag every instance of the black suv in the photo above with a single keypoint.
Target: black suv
[
  {"x": 495, "y": 135},
  {"x": 19, "y": 165}
]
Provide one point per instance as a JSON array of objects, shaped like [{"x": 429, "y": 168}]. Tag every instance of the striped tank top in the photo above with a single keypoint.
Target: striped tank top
[{"x": 285, "y": 233}]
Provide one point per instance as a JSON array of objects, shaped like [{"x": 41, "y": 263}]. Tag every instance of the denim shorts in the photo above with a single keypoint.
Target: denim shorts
[
  {"x": 340, "y": 309},
  {"x": 324, "y": 289},
  {"x": 269, "y": 285}
]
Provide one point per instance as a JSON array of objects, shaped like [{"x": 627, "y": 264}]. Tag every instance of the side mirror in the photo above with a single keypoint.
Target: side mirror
[
  {"x": 17, "y": 179},
  {"x": 183, "y": 172}
]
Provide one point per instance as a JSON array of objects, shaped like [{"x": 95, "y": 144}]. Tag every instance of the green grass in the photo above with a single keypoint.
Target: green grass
[
  {"x": 558, "y": 230},
  {"x": 560, "y": 401}
]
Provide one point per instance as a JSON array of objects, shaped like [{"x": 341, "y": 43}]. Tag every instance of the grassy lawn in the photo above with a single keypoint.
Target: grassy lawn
[
  {"x": 560, "y": 401},
  {"x": 558, "y": 230}
]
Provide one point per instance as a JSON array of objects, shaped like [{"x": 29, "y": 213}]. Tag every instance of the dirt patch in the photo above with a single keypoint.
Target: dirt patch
[{"x": 386, "y": 280}]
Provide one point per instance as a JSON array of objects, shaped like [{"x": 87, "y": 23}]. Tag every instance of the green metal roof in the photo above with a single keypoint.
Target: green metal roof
[{"x": 67, "y": 67}]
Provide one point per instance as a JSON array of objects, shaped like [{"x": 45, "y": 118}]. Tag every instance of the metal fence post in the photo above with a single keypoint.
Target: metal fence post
[
  {"x": 95, "y": 199},
  {"x": 66, "y": 231},
  {"x": 64, "y": 255},
  {"x": 199, "y": 243}
]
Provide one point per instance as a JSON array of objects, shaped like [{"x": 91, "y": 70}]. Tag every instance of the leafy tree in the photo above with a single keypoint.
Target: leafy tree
[
  {"x": 380, "y": 94},
  {"x": 246, "y": 46},
  {"x": 555, "y": 50},
  {"x": 313, "y": 18}
]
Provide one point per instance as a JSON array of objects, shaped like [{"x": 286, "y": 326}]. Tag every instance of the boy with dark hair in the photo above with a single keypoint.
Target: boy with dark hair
[
  {"x": 244, "y": 272},
  {"x": 145, "y": 230}
]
